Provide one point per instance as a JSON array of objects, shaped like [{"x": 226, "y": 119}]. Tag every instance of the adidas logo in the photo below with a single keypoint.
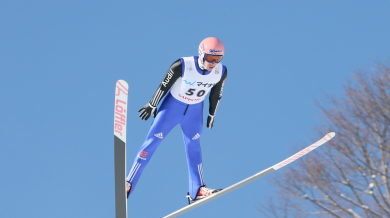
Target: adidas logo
[
  {"x": 196, "y": 136},
  {"x": 159, "y": 135}
]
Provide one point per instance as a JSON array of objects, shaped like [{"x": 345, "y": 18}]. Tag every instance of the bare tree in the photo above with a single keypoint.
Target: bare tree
[{"x": 348, "y": 177}]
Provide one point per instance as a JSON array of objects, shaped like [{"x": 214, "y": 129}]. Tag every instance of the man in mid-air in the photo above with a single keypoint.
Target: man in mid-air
[{"x": 186, "y": 84}]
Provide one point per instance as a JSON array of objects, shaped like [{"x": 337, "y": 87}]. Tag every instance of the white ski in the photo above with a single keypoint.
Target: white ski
[
  {"x": 120, "y": 115},
  {"x": 322, "y": 141}
]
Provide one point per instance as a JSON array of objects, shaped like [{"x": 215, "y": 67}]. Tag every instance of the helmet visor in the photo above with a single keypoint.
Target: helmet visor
[{"x": 213, "y": 58}]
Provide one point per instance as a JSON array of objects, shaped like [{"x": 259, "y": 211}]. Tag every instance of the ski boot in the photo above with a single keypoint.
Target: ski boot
[
  {"x": 202, "y": 193},
  {"x": 128, "y": 188}
]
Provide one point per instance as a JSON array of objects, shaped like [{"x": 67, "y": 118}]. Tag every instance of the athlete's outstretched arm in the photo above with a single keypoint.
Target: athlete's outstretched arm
[
  {"x": 215, "y": 98},
  {"x": 174, "y": 72}
]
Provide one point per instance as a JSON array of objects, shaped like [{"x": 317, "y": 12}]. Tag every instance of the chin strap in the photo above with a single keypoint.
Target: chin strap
[{"x": 200, "y": 63}]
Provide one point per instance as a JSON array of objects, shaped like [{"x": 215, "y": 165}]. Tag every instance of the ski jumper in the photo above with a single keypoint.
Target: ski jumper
[{"x": 183, "y": 105}]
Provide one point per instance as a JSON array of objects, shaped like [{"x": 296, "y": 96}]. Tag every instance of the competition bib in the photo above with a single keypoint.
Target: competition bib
[{"x": 193, "y": 87}]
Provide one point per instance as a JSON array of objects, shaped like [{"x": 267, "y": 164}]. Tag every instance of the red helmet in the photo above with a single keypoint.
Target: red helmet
[{"x": 211, "y": 46}]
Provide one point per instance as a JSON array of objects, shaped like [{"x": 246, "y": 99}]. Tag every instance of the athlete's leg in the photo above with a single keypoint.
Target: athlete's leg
[
  {"x": 192, "y": 125},
  {"x": 167, "y": 118}
]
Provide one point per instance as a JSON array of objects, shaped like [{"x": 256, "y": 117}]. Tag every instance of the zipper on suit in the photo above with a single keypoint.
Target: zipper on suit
[{"x": 186, "y": 109}]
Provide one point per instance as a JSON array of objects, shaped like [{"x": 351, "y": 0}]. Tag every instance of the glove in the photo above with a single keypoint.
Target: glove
[
  {"x": 210, "y": 121},
  {"x": 146, "y": 111}
]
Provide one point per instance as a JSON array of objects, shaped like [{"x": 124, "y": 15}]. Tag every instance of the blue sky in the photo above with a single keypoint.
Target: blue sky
[{"x": 59, "y": 61}]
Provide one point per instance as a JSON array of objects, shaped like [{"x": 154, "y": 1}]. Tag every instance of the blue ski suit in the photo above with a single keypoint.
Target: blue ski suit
[{"x": 176, "y": 110}]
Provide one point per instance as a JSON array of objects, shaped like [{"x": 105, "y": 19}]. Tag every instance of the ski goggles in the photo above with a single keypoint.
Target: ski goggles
[{"x": 213, "y": 58}]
